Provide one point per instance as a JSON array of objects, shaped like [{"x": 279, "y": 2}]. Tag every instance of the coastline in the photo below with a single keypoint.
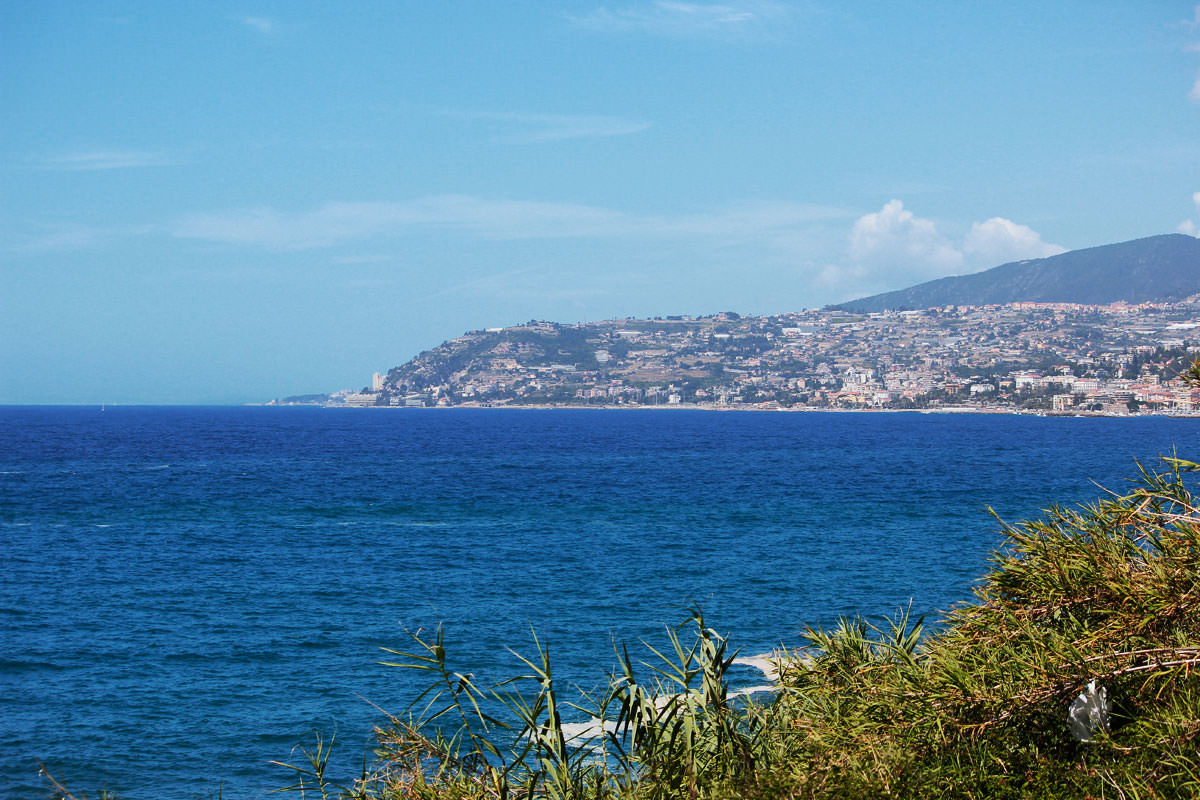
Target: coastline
[{"x": 947, "y": 410}]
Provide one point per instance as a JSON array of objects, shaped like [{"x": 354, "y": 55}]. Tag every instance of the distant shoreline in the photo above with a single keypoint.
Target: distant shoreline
[{"x": 949, "y": 411}]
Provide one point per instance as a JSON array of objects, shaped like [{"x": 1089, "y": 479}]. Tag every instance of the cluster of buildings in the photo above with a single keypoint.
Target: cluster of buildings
[{"x": 1040, "y": 357}]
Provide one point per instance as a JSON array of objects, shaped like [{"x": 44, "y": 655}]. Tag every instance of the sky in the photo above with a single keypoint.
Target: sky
[{"x": 229, "y": 202}]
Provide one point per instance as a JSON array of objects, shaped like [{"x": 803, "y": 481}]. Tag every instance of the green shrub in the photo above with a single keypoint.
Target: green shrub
[{"x": 1108, "y": 593}]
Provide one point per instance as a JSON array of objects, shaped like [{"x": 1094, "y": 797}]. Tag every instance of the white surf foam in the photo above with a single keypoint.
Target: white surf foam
[
  {"x": 767, "y": 663},
  {"x": 588, "y": 730}
]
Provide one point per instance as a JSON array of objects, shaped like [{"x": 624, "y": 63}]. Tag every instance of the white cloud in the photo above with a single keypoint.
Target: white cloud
[
  {"x": 673, "y": 18},
  {"x": 999, "y": 241},
  {"x": 337, "y": 223},
  {"x": 1188, "y": 226},
  {"x": 894, "y": 238},
  {"x": 750, "y": 220},
  {"x": 893, "y": 248},
  {"x": 532, "y": 128},
  {"x": 57, "y": 237},
  {"x": 1194, "y": 94},
  {"x": 108, "y": 159},
  {"x": 260, "y": 24}
]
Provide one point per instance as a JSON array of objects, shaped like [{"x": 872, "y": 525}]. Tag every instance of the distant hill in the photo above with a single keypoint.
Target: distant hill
[{"x": 1158, "y": 268}]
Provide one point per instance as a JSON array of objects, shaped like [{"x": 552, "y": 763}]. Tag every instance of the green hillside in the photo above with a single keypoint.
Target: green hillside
[{"x": 1158, "y": 268}]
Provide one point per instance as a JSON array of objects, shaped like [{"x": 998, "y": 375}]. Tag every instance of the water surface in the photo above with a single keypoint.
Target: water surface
[{"x": 189, "y": 592}]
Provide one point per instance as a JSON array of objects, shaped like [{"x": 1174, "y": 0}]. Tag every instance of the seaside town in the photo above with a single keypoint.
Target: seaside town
[{"x": 1047, "y": 358}]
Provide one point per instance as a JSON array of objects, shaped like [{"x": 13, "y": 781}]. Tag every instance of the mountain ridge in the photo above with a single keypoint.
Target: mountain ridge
[{"x": 1165, "y": 267}]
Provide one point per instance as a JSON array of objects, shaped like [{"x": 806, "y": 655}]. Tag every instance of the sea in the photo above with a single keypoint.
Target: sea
[{"x": 191, "y": 593}]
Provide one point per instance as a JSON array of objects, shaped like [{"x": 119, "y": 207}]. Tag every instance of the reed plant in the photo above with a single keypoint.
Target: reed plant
[
  {"x": 1073, "y": 673},
  {"x": 1107, "y": 595},
  {"x": 1104, "y": 599},
  {"x": 663, "y": 728}
]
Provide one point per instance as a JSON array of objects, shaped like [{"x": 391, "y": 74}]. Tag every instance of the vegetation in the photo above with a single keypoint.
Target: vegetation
[
  {"x": 1107, "y": 595},
  {"x": 1074, "y": 673},
  {"x": 1156, "y": 268}
]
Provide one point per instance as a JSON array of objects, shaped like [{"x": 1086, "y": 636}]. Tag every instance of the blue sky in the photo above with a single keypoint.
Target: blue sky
[{"x": 228, "y": 202}]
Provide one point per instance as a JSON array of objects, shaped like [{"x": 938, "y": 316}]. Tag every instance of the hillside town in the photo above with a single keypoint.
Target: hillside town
[{"x": 1053, "y": 358}]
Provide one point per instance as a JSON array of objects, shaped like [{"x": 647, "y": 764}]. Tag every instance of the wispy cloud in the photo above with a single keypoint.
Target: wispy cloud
[
  {"x": 684, "y": 19},
  {"x": 362, "y": 259},
  {"x": 260, "y": 24},
  {"x": 532, "y": 128},
  {"x": 61, "y": 237},
  {"x": 524, "y": 284},
  {"x": 108, "y": 159},
  {"x": 337, "y": 223},
  {"x": 58, "y": 239},
  {"x": 1192, "y": 26}
]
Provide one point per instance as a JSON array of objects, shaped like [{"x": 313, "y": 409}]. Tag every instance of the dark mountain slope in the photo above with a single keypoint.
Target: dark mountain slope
[{"x": 1163, "y": 267}]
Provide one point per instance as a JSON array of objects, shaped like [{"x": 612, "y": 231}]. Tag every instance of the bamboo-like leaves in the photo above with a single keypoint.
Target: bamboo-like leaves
[{"x": 977, "y": 706}]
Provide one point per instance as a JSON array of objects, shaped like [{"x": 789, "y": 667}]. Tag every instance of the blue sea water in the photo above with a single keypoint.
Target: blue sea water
[{"x": 187, "y": 593}]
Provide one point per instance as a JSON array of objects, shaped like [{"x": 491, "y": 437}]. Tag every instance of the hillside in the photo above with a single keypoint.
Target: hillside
[
  {"x": 1100, "y": 330},
  {"x": 1157, "y": 268},
  {"x": 1111, "y": 359}
]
